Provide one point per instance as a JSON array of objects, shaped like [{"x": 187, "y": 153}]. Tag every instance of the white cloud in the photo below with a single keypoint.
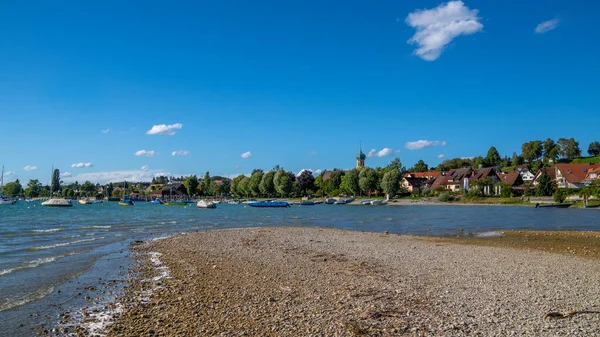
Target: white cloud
[
  {"x": 105, "y": 131},
  {"x": 546, "y": 26},
  {"x": 8, "y": 173},
  {"x": 420, "y": 144},
  {"x": 441, "y": 156},
  {"x": 115, "y": 176},
  {"x": 386, "y": 151},
  {"x": 246, "y": 155},
  {"x": 437, "y": 27},
  {"x": 144, "y": 168},
  {"x": 314, "y": 172},
  {"x": 180, "y": 153},
  {"x": 30, "y": 168},
  {"x": 65, "y": 174},
  {"x": 164, "y": 129},
  {"x": 79, "y": 165},
  {"x": 145, "y": 153}
]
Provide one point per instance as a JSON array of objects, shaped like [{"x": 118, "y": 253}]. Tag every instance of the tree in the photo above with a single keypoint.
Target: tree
[
  {"x": 234, "y": 188},
  {"x": 34, "y": 188},
  {"x": 55, "y": 180},
  {"x": 594, "y": 149},
  {"x": 350, "y": 182},
  {"x": 532, "y": 150},
  {"x": 266, "y": 184},
  {"x": 88, "y": 188},
  {"x": 13, "y": 188},
  {"x": 550, "y": 150},
  {"x": 243, "y": 186},
  {"x": 368, "y": 178},
  {"x": 569, "y": 148},
  {"x": 395, "y": 164},
  {"x": 191, "y": 185},
  {"x": 420, "y": 166},
  {"x": 391, "y": 183},
  {"x": 493, "y": 157},
  {"x": 254, "y": 183},
  {"x": 545, "y": 185},
  {"x": 305, "y": 181},
  {"x": 283, "y": 182},
  {"x": 516, "y": 159}
]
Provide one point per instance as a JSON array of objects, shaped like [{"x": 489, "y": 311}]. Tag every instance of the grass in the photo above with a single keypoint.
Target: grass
[{"x": 587, "y": 160}]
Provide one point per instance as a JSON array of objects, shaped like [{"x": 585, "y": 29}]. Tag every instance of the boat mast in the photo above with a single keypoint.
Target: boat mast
[{"x": 2, "y": 181}]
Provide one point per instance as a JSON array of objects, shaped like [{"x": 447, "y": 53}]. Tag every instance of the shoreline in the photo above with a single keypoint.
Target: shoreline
[{"x": 282, "y": 281}]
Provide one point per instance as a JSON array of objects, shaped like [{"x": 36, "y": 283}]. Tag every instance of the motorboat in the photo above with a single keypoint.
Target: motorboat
[
  {"x": 206, "y": 204},
  {"x": 85, "y": 201},
  {"x": 330, "y": 201},
  {"x": 126, "y": 202},
  {"x": 269, "y": 204},
  {"x": 57, "y": 202},
  {"x": 367, "y": 202},
  {"x": 156, "y": 201}
]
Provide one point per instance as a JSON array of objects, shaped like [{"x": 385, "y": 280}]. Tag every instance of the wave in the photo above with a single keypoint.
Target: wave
[
  {"x": 101, "y": 226},
  {"x": 46, "y": 230},
  {"x": 62, "y": 244},
  {"x": 32, "y": 264},
  {"x": 35, "y": 296}
]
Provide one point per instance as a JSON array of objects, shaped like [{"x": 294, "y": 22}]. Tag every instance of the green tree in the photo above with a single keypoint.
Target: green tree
[
  {"x": 234, "y": 187},
  {"x": 56, "y": 180},
  {"x": 395, "y": 164},
  {"x": 550, "y": 150},
  {"x": 569, "y": 148},
  {"x": 13, "y": 189},
  {"x": 420, "y": 166},
  {"x": 88, "y": 188},
  {"x": 350, "y": 182},
  {"x": 283, "y": 182},
  {"x": 594, "y": 149},
  {"x": 368, "y": 179},
  {"x": 493, "y": 157},
  {"x": 34, "y": 188},
  {"x": 254, "y": 183},
  {"x": 191, "y": 185},
  {"x": 266, "y": 184},
  {"x": 391, "y": 183},
  {"x": 532, "y": 150},
  {"x": 545, "y": 185},
  {"x": 243, "y": 187},
  {"x": 306, "y": 182}
]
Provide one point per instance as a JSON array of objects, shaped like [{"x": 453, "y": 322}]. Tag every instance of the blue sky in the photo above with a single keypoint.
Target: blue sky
[{"x": 299, "y": 84}]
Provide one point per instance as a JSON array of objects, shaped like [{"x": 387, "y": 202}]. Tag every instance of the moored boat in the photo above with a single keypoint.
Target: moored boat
[
  {"x": 330, "y": 201},
  {"x": 85, "y": 201},
  {"x": 206, "y": 204},
  {"x": 126, "y": 202},
  {"x": 552, "y": 205},
  {"x": 157, "y": 201},
  {"x": 307, "y": 203},
  {"x": 269, "y": 204},
  {"x": 367, "y": 202},
  {"x": 57, "y": 202}
]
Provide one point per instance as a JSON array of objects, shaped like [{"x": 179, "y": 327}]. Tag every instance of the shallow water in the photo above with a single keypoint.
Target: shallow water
[{"x": 45, "y": 249}]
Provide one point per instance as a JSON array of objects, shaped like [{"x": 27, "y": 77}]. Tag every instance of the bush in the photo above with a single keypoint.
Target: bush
[{"x": 445, "y": 197}]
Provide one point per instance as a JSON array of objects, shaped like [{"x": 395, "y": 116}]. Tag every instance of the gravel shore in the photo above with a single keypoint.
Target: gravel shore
[{"x": 325, "y": 282}]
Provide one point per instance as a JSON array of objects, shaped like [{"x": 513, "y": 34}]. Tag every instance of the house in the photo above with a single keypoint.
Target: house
[
  {"x": 573, "y": 175},
  {"x": 464, "y": 178},
  {"x": 512, "y": 179},
  {"x": 591, "y": 176},
  {"x": 525, "y": 173},
  {"x": 413, "y": 182}
]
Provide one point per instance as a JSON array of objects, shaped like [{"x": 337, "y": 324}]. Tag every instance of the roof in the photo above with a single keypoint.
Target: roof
[
  {"x": 360, "y": 155},
  {"x": 326, "y": 175},
  {"x": 430, "y": 174},
  {"x": 590, "y": 171},
  {"x": 575, "y": 173},
  {"x": 510, "y": 178},
  {"x": 522, "y": 168}
]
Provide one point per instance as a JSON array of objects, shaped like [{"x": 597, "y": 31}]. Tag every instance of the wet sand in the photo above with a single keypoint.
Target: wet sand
[{"x": 326, "y": 282}]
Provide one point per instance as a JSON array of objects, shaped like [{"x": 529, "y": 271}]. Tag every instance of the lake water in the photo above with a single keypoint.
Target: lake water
[{"x": 50, "y": 255}]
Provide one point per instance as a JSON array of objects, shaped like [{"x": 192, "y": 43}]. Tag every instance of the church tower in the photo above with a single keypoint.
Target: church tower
[{"x": 360, "y": 159}]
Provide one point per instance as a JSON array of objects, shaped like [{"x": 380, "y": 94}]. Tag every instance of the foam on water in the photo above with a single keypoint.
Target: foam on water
[
  {"x": 46, "y": 230},
  {"x": 62, "y": 244},
  {"x": 491, "y": 234}
]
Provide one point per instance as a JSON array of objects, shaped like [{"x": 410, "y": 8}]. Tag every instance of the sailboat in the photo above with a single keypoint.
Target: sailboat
[
  {"x": 4, "y": 200},
  {"x": 56, "y": 202},
  {"x": 126, "y": 202}
]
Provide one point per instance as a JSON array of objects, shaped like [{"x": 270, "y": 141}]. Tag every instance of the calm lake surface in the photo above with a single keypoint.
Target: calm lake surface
[{"x": 47, "y": 254}]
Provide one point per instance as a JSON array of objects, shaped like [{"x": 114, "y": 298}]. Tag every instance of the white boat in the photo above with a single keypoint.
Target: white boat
[
  {"x": 56, "y": 202},
  {"x": 378, "y": 202},
  {"x": 5, "y": 200},
  {"x": 85, "y": 201},
  {"x": 233, "y": 202},
  {"x": 206, "y": 204},
  {"x": 367, "y": 202}
]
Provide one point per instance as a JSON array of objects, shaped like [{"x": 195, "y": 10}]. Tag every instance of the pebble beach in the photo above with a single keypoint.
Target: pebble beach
[{"x": 299, "y": 281}]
